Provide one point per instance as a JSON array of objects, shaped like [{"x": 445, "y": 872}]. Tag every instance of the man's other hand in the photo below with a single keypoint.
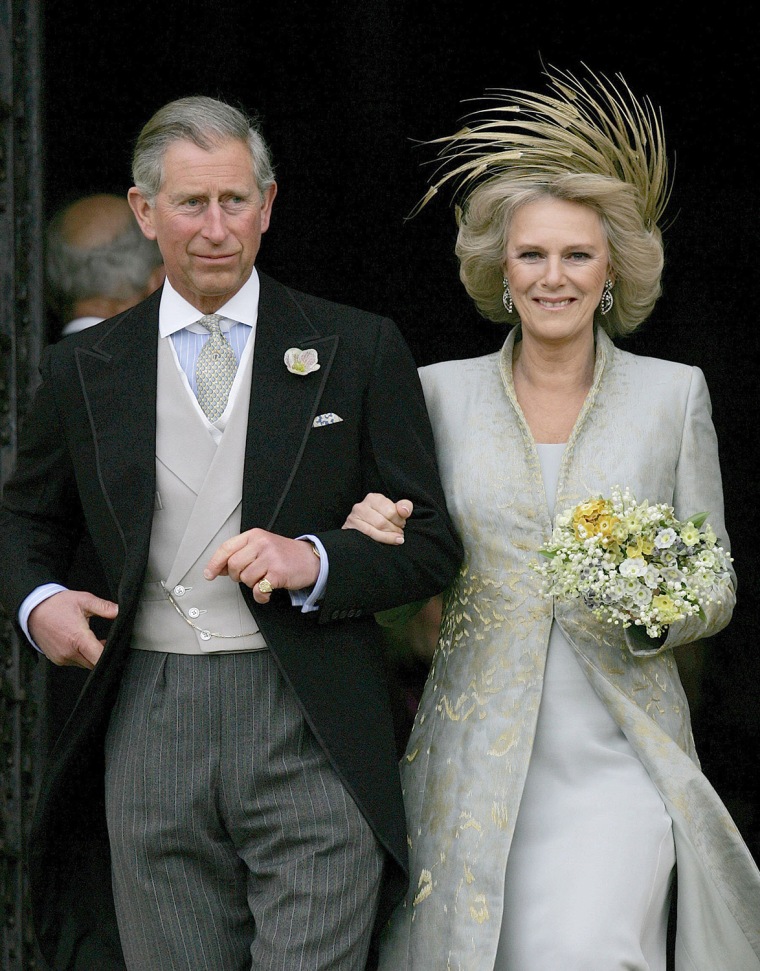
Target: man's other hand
[{"x": 60, "y": 627}]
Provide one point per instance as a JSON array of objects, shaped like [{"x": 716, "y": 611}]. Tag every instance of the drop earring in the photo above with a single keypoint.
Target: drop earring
[
  {"x": 506, "y": 297},
  {"x": 607, "y": 298}
]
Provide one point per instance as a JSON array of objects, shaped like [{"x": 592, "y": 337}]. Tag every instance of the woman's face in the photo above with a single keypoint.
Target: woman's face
[{"x": 557, "y": 261}]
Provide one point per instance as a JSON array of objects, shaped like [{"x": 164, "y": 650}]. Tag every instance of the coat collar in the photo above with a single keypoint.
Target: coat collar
[{"x": 604, "y": 348}]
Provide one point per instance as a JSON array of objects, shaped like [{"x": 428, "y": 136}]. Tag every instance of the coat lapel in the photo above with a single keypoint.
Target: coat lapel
[
  {"x": 283, "y": 405},
  {"x": 118, "y": 378}
]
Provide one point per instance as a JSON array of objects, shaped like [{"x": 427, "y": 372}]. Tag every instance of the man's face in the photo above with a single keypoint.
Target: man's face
[{"x": 207, "y": 218}]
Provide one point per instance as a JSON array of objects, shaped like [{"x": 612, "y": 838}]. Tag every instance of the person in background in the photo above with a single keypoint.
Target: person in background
[
  {"x": 553, "y": 794},
  {"x": 97, "y": 262},
  {"x": 226, "y": 788}
]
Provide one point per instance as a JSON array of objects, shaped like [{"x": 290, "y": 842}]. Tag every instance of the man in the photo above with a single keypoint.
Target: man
[
  {"x": 235, "y": 732},
  {"x": 97, "y": 261}
]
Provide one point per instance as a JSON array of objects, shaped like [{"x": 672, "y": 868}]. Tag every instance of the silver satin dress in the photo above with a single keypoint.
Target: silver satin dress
[{"x": 589, "y": 872}]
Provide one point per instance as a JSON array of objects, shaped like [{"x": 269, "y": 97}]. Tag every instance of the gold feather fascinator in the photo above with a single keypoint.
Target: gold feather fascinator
[{"x": 597, "y": 127}]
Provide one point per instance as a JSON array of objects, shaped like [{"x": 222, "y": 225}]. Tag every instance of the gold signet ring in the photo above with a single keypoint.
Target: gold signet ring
[{"x": 265, "y": 586}]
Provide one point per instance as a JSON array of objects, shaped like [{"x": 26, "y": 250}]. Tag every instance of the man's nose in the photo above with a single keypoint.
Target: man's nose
[{"x": 214, "y": 226}]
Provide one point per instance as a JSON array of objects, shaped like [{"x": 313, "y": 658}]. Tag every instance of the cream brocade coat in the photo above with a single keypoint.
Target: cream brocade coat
[{"x": 646, "y": 424}]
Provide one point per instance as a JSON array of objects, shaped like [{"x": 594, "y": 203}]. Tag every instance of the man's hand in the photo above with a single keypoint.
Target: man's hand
[
  {"x": 60, "y": 627},
  {"x": 252, "y": 556},
  {"x": 380, "y": 518}
]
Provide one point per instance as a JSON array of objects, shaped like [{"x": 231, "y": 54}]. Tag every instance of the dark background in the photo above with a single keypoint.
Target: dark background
[{"x": 347, "y": 91}]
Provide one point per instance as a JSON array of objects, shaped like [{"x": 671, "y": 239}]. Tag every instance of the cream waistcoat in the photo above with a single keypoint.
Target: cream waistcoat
[{"x": 198, "y": 502}]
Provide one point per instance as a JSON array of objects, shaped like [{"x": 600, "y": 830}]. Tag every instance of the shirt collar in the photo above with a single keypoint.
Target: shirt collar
[
  {"x": 175, "y": 313},
  {"x": 79, "y": 323}
]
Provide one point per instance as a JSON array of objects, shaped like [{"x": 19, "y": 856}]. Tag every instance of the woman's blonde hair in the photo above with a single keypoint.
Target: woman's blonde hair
[{"x": 594, "y": 145}]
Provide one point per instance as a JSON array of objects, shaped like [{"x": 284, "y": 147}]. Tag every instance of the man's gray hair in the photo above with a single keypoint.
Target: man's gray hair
[
  {"x": 207, "y": 123},
  {"x": 119, "y": 269}
]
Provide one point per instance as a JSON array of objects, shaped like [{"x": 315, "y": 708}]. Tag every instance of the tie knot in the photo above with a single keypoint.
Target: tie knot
[{"x": 211, "y": 323}]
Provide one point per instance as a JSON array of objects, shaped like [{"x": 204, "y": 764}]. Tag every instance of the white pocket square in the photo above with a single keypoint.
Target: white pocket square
[{"x": 327, "y": 419}]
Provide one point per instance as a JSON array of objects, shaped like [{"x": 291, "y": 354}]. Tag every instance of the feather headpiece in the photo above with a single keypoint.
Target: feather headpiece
[{"x": 597, "y": 128}]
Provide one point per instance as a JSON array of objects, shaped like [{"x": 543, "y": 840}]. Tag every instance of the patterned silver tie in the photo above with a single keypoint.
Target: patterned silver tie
[{"x": 215, "y": 370}]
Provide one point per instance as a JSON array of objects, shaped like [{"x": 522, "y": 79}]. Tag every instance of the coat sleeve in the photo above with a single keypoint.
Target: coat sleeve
[
  {"x": 698, "y": 488},
  {"x": 40, "y": 515},
  {"x": 398, "y": 460}
]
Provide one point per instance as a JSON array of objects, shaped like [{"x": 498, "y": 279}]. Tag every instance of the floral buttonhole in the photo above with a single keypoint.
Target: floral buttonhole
[{"x": 301, "y": 362}]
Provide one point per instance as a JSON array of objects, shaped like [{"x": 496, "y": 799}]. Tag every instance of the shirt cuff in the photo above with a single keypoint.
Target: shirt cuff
[
  {"x": 34, "y": 599},
  {"x": 306, "y": 600}
]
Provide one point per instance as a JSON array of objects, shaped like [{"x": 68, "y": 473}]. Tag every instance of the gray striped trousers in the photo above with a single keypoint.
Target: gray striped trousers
[{"x": 235, "y": 846}]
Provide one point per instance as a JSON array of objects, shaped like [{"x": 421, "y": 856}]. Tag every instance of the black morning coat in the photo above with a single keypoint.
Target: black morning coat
[{"x": 87, "y": 456}]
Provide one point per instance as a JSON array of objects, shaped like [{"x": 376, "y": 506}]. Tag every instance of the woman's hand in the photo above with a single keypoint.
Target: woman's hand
[{"x": 380, "y": 518}]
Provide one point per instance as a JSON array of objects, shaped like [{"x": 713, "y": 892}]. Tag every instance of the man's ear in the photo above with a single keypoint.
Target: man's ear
[
  {"x": 267, "y": 202},
  {"x": 143, "y": 211}
]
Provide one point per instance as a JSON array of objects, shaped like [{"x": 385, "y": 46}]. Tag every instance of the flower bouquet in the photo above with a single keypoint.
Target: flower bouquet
[{"x": 633, "y": 563}]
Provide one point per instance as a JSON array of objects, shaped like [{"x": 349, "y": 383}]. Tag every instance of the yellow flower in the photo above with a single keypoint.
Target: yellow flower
[
  {"x": 619, "y": 531},
  {"x": 666, "y": 609},
  {"x": 594, "y": 518},
  {"x": 592, "y": 508},
  {"x": 605, "y": 525},
  {"x": 641, "y": 546},
  {"x": 583, "y": 528},
  {"x": 689, "y": 534}
]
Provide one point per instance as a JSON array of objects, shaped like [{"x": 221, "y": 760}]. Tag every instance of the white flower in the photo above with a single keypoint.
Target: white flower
[
  {"x": 706, "y": 559},
  {"x": 709, "y": 535},
  {"x": 652, "y": 577},
  {"x": 665, "y": 538},
  {"x": 635, "y": 567},
  {"x": 301, "y": 362},
  {"x": 642, "y": 595},
  {"x": 671, "y": 574}
]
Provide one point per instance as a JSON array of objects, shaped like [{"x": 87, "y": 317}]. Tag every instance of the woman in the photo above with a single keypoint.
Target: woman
[{"x": 551, "y": 783}]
